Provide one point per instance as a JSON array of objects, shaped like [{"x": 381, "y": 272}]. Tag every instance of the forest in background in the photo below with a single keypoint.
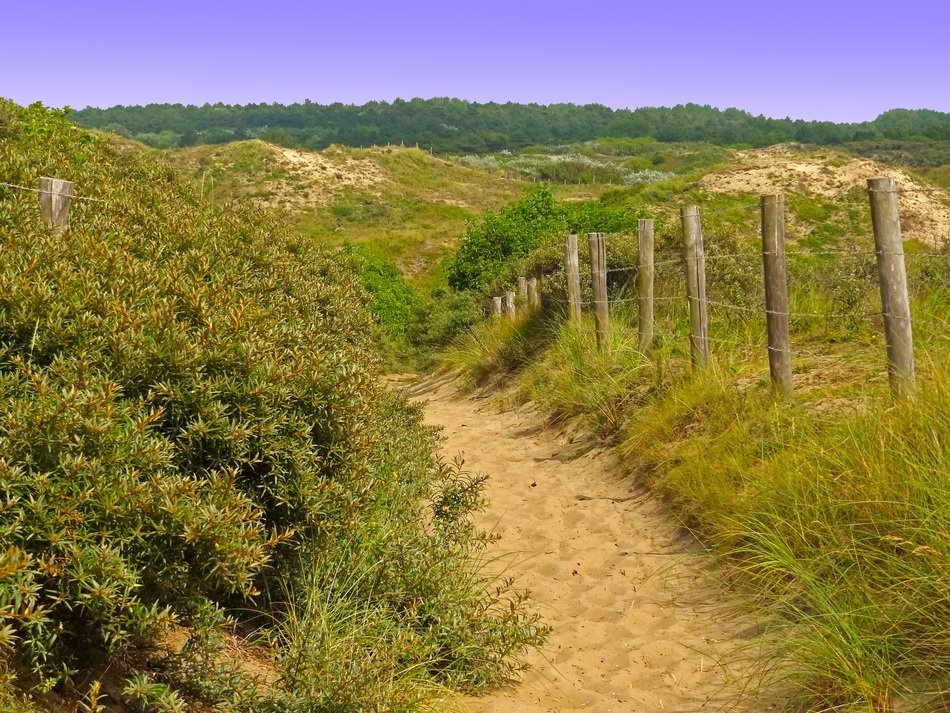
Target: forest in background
[{"x": 456, "y": 126}]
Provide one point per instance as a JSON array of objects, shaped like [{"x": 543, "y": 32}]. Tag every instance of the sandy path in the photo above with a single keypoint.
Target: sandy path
[{"x": 635, "y": 611}]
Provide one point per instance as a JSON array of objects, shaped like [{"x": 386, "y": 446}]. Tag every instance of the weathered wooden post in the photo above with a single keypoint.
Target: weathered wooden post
[
  {"x": 534, "y": 299},
  {"x": 523, "y": 291},
  {"x": 496, "y": 307},
  {"x": 895, "y": 305},
  {"x": 696, "y": 286},
  {"x": 572, "y": 272},
  {"x": 510, "y": 308},
  {"x": 598, "y": 273},
  {"x": 645, "y": 283},
  {"x": 776, "y": 292},
  {"x": 55, "y": 197}
]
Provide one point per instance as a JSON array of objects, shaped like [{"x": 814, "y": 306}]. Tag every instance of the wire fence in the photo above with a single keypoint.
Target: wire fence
[
  {"x": 759, "y": 292},
  {"x": 40, "y": 191},
  {"x": 842, "y": 273}
]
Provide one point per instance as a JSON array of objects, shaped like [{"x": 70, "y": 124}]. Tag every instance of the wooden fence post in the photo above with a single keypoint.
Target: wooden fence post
[
  {"x": 533, "y": 298},
  {"x": 696, "y": 286},
  {"x": 895, "y": 305},
  {"x": 598, "y": 273},
  {"x": 523, "y": 291},
  {"x": 776, "y": 292},
  {"x": 645, "y": 283},
  {"x": 55, "y": 197},
  {"x": 572, "y": 272},
  {"x": 496, "y": 307},
  {"x": 510, "y": 308}
]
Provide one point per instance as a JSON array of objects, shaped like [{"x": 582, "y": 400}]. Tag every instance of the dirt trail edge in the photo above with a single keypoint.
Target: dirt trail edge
[{"x": 638, "y": 618}]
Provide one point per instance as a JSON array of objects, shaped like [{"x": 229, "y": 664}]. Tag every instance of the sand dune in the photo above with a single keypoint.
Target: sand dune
[{"x": 924, "y": 210}]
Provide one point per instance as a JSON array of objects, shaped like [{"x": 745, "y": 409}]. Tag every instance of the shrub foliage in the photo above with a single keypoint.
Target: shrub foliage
[
  {"x": 187, "y": 402},
  {"x": 497, "y": 244}
]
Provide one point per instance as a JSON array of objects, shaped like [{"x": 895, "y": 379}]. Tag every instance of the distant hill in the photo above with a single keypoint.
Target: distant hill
[
  {"x": 409, "y": 205},
  {"x": 456, "y": 126}
]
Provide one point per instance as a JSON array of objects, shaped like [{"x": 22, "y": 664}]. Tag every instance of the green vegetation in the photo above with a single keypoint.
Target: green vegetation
[
  {"x": 195, "y": 443},
  {"x": 456, "y": 126},
  {"x": 497, "y": 239},
  {"x": 832, "y": 511},
  {"x": 405, "y": 205},
  {"x": 394, "y": 302},
  {"x": 928, "y": 159},
  {"x": 199, "y": 385},
  {"x": 619, "y": 161},
  {"x": 415, "y": 215},
  {"x": 566, "y": 168},
  {"x": 495, "y": 245},
  {"x": 834, "y": 521}
]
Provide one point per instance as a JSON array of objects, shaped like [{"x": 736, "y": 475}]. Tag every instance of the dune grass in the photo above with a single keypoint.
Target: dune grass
[
  {"x": 831, "y": 511},
  {"x": 405, "y": 204}
]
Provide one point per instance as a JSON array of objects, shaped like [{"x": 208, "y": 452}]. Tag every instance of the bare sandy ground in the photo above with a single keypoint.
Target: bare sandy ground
[
  {"x": 638, "y": 616},
  {"x": 321, "y": 176},
  {"x": 924, "y": 210}
]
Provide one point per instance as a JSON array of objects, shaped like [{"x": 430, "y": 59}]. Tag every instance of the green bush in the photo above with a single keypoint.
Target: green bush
[
  {"x": 443, "y": 316},
  {"x": 527, "y": 238},
  {"x": 393, "y": 299},
  {"x": 188, "y": 400},
  {"x": 498, "y": 238}
]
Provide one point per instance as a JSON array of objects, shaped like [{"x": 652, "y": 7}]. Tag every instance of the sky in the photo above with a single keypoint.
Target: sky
[{"x": 829, "y": 60}]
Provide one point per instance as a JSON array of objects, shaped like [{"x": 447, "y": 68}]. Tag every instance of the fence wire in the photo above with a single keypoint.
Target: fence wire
[
  {"x": 52, "y": 193},
  {"x": 796, "y": 260}
]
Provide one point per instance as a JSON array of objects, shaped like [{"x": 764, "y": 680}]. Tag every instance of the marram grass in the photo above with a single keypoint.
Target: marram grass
[{"x": 831, "y": 511}]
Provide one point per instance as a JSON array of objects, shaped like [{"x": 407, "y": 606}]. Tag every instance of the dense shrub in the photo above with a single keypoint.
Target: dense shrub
[
  {"x": 499, "y": 247},
  {"x": 444, "y": 315},
  {"x": 393, "y": 302},
  {"x": 187, "y": 402},
  {"x": 498, "y": 238}
]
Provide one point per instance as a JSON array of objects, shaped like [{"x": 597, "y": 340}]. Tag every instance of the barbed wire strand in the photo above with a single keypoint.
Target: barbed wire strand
[
  {"x": 731, "y": 209},
  {"x": 52, "y": 193},
  {"x": 731, "y": 342},
  {"x": 790, "y": 256},
  {"x": 739, "y": 308}
]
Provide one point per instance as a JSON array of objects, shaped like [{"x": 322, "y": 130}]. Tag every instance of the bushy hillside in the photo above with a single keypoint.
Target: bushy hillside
[{"x": 193, "y": 435}]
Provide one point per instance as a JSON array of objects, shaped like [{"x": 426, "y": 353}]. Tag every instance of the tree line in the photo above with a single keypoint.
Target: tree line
[{"x": 457, "y": 126}]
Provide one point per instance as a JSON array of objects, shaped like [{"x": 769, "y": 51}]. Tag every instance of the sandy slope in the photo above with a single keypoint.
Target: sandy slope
[
  {"x": 783, "y": 168},
  {"x": 637, "y": 615}
]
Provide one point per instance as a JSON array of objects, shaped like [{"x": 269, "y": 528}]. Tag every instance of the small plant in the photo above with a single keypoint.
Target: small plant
[{"x": 149, "y": 697}]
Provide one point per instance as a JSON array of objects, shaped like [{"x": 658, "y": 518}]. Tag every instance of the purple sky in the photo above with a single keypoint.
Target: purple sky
[{"x": 836, "y": 60}]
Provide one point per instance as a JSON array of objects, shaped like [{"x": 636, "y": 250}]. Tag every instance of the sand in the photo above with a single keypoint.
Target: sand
[
  {"x": 638, "y": 613},
  {"x": 924, "y": 210},
  {"x": 322, "y": 176}
]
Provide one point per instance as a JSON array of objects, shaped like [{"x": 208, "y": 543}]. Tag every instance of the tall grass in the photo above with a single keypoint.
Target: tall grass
[
  {"x": 573, "y": 376},
  {"x": 497, "y": 347},
  {"x": 838, "y": 524},
  {"x": 832, "y": 512}
]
